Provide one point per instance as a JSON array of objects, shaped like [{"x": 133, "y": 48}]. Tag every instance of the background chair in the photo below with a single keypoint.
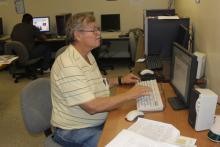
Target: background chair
[
  {"x": 23, "y": 66},
  {"x": 36, "y": 109},
  {"x": 133, "y": 39},
  {"x": 132, "y": 47},
  {"x": 60, "y": 51},
  {"x": 102, "y": 57}
]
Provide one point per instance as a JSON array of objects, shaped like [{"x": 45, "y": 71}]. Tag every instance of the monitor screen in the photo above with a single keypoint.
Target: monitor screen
[
  {"x": 61, "y": 23},
  {"x": 110, "y": 22},
  {"x": 183, "y": 36},
  {"x": 183, "y": 76},
  {"x": 43, "y": 23},
  {"x": 161, "y": 33},
  {"x": 1, "y": 26}
]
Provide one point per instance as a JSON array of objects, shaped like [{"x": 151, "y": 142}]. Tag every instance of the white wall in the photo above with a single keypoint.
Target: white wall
[
  {"x": 206, "y": 21},
  {"x": 131, "y": 10}
]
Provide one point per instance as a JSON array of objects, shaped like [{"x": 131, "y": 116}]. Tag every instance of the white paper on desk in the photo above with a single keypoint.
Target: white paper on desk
[
  {"x": 155, "y": 130},
  {"x": 7, "y": 59},
  {"x": 184, "y": 141},
  {"x": 128, "y": 138},
  {"x": 168, "y": 17},
  {"x": 140, "y": 60}
]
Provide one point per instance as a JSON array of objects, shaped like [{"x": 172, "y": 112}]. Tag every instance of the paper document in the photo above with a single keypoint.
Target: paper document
[
  {"x": 140, "y": 60},
  {"x": 127, "y": 138},
  {"x": 7, "y": 59},
  {"x": 168, "y": 17},
  {"x": 155, "y": 130},
  {"x": 150, "y": 133},
  {"x": 183, "y": 141}
]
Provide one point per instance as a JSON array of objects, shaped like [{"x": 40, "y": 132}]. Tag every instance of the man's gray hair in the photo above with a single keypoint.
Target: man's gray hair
[{"x": 77, "y": 22}]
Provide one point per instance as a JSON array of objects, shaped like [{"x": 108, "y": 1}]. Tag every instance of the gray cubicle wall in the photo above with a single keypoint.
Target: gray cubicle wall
[{"x": 160, "y": 35}]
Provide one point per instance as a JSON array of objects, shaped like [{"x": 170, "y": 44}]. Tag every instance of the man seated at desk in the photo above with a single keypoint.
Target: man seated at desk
[
  {"x": 80, "y": 95},
  {"x": 26, "y": 33}
]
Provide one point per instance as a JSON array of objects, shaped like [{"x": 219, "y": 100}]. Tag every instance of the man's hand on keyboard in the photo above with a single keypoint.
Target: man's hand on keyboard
[
  {"x": 130, "y": 79},
  {"x": 138, "y": 91}
]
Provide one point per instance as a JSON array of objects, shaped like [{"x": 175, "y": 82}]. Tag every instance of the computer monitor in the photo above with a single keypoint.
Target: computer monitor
[
  {"x": 1, "y": 26},
  {"x": 110, "y": 22},
  {"x": 160, "y": 35},
  {"x": 61, "y": 23},
  {"x": 43, "y": 23},
  {"x": 183, "y": 76},
  {"x": 183, "y": 36}
]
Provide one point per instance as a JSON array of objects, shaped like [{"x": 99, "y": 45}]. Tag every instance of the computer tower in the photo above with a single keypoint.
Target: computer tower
[
  {"x": 61, "y": 23},
  {"x": 202, "y": 109},
  {"x": 160, "y": 12}
]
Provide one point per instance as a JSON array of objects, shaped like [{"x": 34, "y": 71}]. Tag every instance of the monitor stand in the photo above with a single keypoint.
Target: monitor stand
[{"x": 176, "y": 103}]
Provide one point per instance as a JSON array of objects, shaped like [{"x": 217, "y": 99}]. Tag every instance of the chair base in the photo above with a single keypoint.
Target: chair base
[{"x": 18, "y": 74}]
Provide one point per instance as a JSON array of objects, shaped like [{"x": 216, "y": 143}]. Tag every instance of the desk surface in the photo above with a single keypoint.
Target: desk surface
[
  {"x": 116, "y": 119},
  {"x": 4, "y": 38},
  {"x": 104, "y": 35}
]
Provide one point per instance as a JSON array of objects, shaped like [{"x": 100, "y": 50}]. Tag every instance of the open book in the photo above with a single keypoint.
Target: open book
[
  {"x": 7, "y": 59},
  {"x": 149, "y": 133}
]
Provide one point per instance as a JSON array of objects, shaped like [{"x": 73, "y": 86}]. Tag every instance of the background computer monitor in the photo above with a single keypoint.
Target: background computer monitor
[
  {"x": 110, "y": 22},
  {"x": 43, "y": 23},
  {"x": 61, "y": 23},
  {"x": 160, "y": 35},
  {"x": 1, "y": 26},
  {"x": 183, "y": 76},
  {"x": 183, "y": 36}
]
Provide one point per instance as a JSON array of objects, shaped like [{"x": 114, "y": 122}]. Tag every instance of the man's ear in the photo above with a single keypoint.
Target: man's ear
[{"x": 77, "y": 35}]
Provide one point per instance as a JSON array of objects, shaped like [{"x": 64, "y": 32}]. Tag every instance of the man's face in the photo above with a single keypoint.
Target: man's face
[{"x": 90, "y": 36}]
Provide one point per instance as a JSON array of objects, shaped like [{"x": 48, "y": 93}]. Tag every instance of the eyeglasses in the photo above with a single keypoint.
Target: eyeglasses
[{"x": 97, "y": 29}]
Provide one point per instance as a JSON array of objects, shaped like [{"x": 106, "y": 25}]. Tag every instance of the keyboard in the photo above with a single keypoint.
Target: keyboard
[
  {"x": 153, "y": 62},
  {"x": 152, "y": 102}
]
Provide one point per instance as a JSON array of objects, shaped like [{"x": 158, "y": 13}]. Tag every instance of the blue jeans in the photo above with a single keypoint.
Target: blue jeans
[{"x": 86, "y": 137}]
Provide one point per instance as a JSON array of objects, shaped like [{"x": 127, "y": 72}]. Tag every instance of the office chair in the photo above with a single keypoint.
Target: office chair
[
  {"x": 134, "y": 34},
  {"x": 36, "y": 109},
  {"x": 99, "y": 53},
  {"x": 61, "y": 50},
  {"x": 23, "y": 66},
  {"x": 132, "y": 47}
]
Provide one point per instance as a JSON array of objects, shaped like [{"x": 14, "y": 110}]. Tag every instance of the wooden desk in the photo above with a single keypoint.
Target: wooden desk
[{"x": 116, "y": 120}]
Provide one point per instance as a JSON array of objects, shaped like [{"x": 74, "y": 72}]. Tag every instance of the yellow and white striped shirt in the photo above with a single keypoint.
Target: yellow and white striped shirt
[{"x": 73, "y": 82}]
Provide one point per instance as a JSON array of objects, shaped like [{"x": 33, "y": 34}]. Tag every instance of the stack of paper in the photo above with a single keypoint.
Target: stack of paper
[
  {"x": 7, "y": 59},
  {"x": 149, "y": 133},
  {"x": 168, "y": 17}
]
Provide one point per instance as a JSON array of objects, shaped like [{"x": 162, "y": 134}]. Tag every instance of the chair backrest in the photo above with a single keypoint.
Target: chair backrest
[
  {"x": 36, "y": 105},
  {"x": 60, "y": 51},
  {"x": 133, "y": 45},
  {"x": 17, "y": 48}
]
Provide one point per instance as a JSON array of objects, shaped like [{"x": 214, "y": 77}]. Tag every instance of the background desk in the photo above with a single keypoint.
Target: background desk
[
  {"x": 3, "y": 39},
  {"x": 116, "y": 120},
  {"x": 119, "y": 46}
]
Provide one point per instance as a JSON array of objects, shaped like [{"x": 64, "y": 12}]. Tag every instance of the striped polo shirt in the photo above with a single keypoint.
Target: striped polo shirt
[{"x": 73, "y": 82}]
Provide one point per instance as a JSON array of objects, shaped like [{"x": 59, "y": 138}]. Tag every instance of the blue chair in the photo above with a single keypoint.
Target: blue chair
[{"x": 36, "y": 109}]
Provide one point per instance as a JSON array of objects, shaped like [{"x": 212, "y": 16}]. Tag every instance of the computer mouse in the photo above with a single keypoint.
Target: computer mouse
[
  {"x": 146, "y": 71},
  {"x": 133, "y": 115}
]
